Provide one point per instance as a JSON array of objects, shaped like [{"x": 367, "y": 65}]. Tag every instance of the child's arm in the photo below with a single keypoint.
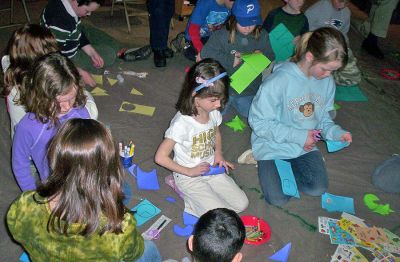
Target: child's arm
[
  {"x": 217, "y": 48},
  {"x": 91, "y": 105},
  {"x": 97, "y": 60},
  {"x": 86, "y": 77},
  {"x": 21, "y": 163},
  {"x": 219, "y": 158},
  {"x": 163, "y": 158}
]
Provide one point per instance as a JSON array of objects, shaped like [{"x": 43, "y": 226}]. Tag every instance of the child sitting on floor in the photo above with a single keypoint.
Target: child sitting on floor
[
  {"x": 290, "y": 106},
  {"x": 195, "y": 138},
  {"x": 78, "y": 214},
  {"x": 24, "y": 47},
  {"x": 290, "y": 16},
  {"x": 336, "y": 14},
  {"x": 242, "y": 35},
  {"x": 54, "y": 94},
  {"x": 218, "y": 236}
]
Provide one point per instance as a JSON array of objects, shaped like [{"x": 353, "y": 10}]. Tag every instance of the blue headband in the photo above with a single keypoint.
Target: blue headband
[{"x": 209, "y": 81}]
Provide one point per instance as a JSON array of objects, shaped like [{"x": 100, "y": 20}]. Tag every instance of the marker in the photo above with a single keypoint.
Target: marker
[{"x": 160, "y": 226}]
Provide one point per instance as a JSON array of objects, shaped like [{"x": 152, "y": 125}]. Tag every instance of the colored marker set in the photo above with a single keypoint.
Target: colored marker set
[
  {"x": 254, "y": 233},
  {"x": 126, "y": 153}
]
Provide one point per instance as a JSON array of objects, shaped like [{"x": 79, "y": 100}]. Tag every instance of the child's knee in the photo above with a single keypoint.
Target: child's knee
[
  {"x": 316, "y": 190},
  {"x": 281, "y": 201},
  {"x": 241, "y": 205}
]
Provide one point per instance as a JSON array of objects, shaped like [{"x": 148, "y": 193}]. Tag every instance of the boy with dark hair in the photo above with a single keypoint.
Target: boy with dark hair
[
  {"x": 218, "y": 236},
  {"x": 289, "y": 15},
  {"x": 63, "y": 18}
]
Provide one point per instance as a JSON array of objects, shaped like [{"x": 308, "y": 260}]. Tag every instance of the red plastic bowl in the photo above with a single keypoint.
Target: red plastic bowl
[{"x": 253, "y": 221}]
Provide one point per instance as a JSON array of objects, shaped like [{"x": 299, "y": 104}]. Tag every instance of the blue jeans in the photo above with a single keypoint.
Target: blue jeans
[
  {"x": 161, "y": 12},
  {"x": 309, "y": 171},
  {"x": 150, "y": 253}
]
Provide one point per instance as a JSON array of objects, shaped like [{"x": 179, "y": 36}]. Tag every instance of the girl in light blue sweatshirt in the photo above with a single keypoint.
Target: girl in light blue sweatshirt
[{"x": 292, "y": 104}]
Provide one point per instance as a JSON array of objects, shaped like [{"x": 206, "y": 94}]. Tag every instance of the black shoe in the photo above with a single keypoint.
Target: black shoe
[
  {"x": 168, "y": 53},
  {"x": 159, "y": 58},
  {"x": 372, "y": 49}
]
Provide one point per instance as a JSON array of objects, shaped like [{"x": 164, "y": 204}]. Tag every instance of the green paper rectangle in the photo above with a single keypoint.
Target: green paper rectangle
[
  {"x": 349, "y": 94},
  {"x": 281, "y": 40}
]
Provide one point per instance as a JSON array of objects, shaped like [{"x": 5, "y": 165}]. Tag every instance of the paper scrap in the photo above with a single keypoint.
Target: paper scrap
[
  {"x": 281, "y": 40},
  {"x": 183, "y": 231},
  {"x": 340, "y": 236},
  {"x": 112, "y": 81},
  {"x": 98, "y": 79},
  {"x": 289, "y": 185},
  {"x": 333, "y": 203},
  {"x": 97, "y": 91},
  {"x": 334, "y": 146},
  {"x": 136, "y": 92},
  {"x": 189, "y": 219},
  {"x": 144, "y": 211},
  {"x": 137, "y": 109},
  {"x": 370, "y": 202},
  {"x": 349, "y": 94},
  {"x": 323, "y": 226},
  {"x": 236, "y": 124},
  {"x": 147, "y": 180},
  {"x": 282, "y": 254}
]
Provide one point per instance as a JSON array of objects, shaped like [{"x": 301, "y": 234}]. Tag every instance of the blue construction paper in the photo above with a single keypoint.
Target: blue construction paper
[
  {"x": 131, "y": 170},
  {"x": 126, "y": 188},
  {"x": 215, "y": 170},
  {"x": 334, "y": 146},
  {"x": 282, "y": 254},
  {"x": 281, "y": 40},
  {"x": 289, "y": 186},
  {"x": 24, "y": 257},
  {"x": 170, "y": 199},
  {"x": 183, "y": 231},
  {"x": 189, "y": 219},
  {"x": 337, "y": 203},
  {"x": 144, "y": 211},
  {"x": 147, "y": 181}
]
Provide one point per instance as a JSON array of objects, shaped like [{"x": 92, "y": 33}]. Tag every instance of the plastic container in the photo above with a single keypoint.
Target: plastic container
[{"x": 263, "y": 225}]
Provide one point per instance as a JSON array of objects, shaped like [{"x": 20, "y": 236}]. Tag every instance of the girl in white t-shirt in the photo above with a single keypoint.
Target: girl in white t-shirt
[{"x": 194, "y": 137}]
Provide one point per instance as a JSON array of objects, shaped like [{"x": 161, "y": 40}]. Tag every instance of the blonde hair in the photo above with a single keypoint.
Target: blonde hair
[
  {"x": 326, "y": 44},
  {"x": 231, "y": 27}
]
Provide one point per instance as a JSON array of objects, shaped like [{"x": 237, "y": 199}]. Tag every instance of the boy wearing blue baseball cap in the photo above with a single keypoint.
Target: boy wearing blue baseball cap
[{"x": 243, "y": 34}]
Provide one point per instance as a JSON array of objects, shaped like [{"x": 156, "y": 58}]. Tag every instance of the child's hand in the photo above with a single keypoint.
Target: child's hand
[
  {"x": 198, "y": 170},
  {"x": 257, "y": 51},
  {"x": 97, "y": 60},
  {"x": 87, "y": 78},
  {"x": 198, "y": 57},
  {"x": 310, "y": 142},
  {"x": 296, "y": 39},
  {"x": 347, "y": 137},
  {"x": 220, "y": 161},
  {"x": 237, "y": 59}
]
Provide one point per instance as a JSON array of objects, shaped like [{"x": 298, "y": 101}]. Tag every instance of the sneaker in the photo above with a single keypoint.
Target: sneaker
[
  {"x": 247, "y": 158},
  {"x": 177, "y": 44},
  {"x": 134, "y": 54},
  {"x": 169, "y": 180}
]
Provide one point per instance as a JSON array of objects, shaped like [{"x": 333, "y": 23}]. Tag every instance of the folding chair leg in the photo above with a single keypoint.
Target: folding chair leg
[
  {"x": 127, "y": 17},
  {"x": 26, "y": 11}
]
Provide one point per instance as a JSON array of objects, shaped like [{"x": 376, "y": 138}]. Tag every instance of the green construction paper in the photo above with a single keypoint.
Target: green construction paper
[
  {"x": 253, "y": 65},
  {"x": 349, "y": 94},
  {"x": 281, "y": 40},
  {"x": 337, "y": 107},
  {"x": 370, "y": 199},
  {"x": 236, "y": 124}
]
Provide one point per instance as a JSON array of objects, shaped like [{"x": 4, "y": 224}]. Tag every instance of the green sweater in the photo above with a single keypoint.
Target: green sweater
[{"x": 27, "y": 222}]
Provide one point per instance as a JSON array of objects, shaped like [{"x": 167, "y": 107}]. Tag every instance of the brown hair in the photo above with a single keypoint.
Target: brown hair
[
  {"x": 231, "y": 27},
  {"x": 25, "y": 45},
  {"x": 206, "y": 69},
  {"x": 52, "y": 75},
  {"x": 326, "y": 44},
  {"x": 86, "y": 179}
]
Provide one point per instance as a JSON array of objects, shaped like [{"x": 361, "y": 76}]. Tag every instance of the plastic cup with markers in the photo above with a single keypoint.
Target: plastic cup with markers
[{"x": 126, "y": 154}]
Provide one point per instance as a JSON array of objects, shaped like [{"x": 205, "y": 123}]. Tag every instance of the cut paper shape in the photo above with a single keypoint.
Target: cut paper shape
[
  {"x": 369, "y": 201},
  {"x": 137, "y": 109},
  {"x": 236, "y": 124},
  {"x": 126, "y": 188},
  {"x": 136, "y": 92},
  {"x": 334, "y": 146},
  {"x": 253, "y": 65},
  {"x": 24, "y": 257},
  {"x": 97, "y": 91},
  {"x": 131, "y": 170},
  {"x": 339, "y": 236},
  {"x": 147, "y": 181},
  {"x": 215, "y": 170},
  {"x": 289, "y": 185},
  {"x": 189, "y": 219},
  {"x": 333, "y": 203},
  {"x": 112, "y": 81},
  {"x": 144, "y": 211},
  {"x": 349, "y": 94},
  {"x": 337, "y": 106},
  {"x": 183, "y": 231},
  {"x": 281, "y": 40},
  {"x": 282, "y": 254},
  {"x": 323, "y": 226},
  {"x": 98, "y": 79},
  {"x": 170, "y": 199},
  {"x": 345, "y": 253}
]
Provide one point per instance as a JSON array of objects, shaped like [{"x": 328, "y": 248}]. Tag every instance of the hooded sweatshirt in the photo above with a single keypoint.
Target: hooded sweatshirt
[{"x": 286, "y": 106}]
